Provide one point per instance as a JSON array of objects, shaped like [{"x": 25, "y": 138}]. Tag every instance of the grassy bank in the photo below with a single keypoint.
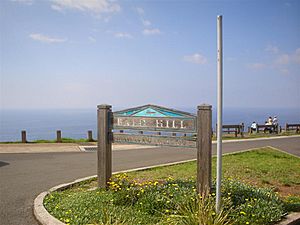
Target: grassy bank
[
  {"x": 166, "y": 195},
  {"x": 64, "y": 140}
]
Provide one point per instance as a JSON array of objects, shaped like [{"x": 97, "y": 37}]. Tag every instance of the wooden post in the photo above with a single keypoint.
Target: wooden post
[
  {"x": 23, "y": 136},
  {"x": 158, "y": 133},
  {"x": 216, "y": 129},
  {"x": 173, "y": 134},
  {"x": 90, "y": 135},
  {"x": 286, "y": 127},
  {"x": 277, "y": 129},
  {"x": 141, "y": 132},
  {"x": 204, "y": 149},
  {"x": 58, "y": 136},
  {"x": 104, "y": 124},
  {"x": 242, "y": 130},
  {"x": 257, "y": 128}
]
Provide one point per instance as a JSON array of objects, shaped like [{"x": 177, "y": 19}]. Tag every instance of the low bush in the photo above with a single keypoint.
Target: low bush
[{"x": 164, "y": 202}]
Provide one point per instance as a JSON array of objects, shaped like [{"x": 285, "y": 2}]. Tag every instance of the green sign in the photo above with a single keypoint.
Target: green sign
[{"x": 154, "y": 118}]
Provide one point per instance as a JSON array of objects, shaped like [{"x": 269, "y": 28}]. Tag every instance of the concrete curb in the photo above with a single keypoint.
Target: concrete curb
[
  {"x": 291, "y": 219},
  {"x": 45, "y": 218}
]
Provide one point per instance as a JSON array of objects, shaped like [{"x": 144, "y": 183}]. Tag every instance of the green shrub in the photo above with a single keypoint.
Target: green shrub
[
  {"x": 164, "y": 202},
  {"x": 292, "y": 204}
]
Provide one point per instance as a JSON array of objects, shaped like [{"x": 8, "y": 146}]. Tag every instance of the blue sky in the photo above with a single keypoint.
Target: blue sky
[{"x": 78, "y": 54}]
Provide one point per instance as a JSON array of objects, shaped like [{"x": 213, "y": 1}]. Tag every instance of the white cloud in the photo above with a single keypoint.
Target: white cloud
[
  {"x": 272, "y": 49},
  {"x": 153, "y": 31},
  {"x": 46, "y": 39},
  {"x": 296, "y": 57},
  {"x": 230, "y": 59},
  {"x": 286, "y": 59},
  {"x": 196, "y": 58},
  {"x": 123, "y": 35},
  {"x": 284, "y": 71},
  {"x": 287, "y": 4},
  {"x": 140, "y": 11},
  {"x": 257, "y": 66},
  {"x": 92, "y": 39},
  {"x": 26, "y": 2},
  {"x": 283, "y": 59},
  {"x": 92, "y": 6},
  {"x": 146, "y": 23}
]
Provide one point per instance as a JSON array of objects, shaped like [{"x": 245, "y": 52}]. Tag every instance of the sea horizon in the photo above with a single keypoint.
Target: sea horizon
[{"x": 74, "y": 123}]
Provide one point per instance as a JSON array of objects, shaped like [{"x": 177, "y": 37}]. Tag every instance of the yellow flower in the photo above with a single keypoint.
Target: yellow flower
[{"x": 247, "y": 223}]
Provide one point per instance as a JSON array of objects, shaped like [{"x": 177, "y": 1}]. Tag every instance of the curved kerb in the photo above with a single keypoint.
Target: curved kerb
[{"x": 44, "y": 217}]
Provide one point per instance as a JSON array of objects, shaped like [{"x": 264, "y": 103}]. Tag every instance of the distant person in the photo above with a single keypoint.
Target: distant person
[
  {"x": 275, "y": 123},
  {"x": 275, "y": 120},
  {"x": 253, "y": 127},
  {"x": 267, "y": 128},
  {"x": 270, "y": 121}
]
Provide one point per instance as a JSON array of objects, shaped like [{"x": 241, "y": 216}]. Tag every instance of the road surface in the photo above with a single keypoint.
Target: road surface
[{"x": 24, "y": 176}]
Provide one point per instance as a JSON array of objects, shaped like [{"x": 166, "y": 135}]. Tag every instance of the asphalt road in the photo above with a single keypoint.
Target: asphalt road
[{"x": 24, "y": 176}]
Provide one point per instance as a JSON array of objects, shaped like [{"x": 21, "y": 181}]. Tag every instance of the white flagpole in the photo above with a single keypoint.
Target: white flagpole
[{"x": 219, "y": 112}]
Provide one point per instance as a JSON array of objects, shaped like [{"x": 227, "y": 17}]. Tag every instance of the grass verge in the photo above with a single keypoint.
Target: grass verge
[{"x": 166, "y": 195}]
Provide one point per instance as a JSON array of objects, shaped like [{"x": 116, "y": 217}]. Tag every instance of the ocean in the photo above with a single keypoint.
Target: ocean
[{"x": 74, "y": 123}]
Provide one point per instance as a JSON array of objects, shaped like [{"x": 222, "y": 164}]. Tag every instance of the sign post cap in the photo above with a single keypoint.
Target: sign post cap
[
  {"x": 204, "y": 107},
  {"x": 104, "y": 106}
]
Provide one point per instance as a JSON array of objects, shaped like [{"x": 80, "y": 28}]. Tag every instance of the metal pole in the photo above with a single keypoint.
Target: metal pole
[{"x": 219, "y": 112}]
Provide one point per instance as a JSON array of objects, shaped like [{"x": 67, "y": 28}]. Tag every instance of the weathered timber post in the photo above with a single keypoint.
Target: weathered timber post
[
  {"x": 242, "y": 130},
  {"x": 23, "y": 136},
  {"x": 58, "y": 136},
  {"x": 104, "y": 124},
  {"x": 204, "y": 154},
  {"x": 286, "y": 127},
  {"x": 90, "y": 135}
]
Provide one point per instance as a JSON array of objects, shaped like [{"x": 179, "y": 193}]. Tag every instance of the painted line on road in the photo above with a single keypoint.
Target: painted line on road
[
  {"x": 284, "y": 151},
  {"x": 258, "y": 139}
]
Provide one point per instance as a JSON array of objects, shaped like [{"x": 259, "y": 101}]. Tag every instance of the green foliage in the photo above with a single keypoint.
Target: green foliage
[
  {"x": 292, "y": 204},
  {"x": 201, "y": 211},
  {"x": 164, "y": 202},
  {"x": 253, "y": 205},
  {"x": 265, "y": 167}
]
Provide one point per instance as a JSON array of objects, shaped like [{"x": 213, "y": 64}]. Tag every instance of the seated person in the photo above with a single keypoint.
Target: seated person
[
  {"x": 253, "y": 127},
  {"x": 268, "y": 123}
]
